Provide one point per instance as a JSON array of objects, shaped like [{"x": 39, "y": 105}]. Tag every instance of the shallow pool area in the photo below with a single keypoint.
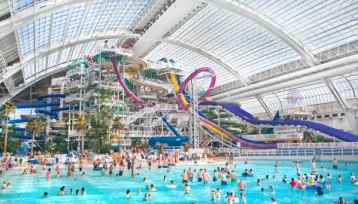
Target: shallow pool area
[{"x": 111, "y": 189}]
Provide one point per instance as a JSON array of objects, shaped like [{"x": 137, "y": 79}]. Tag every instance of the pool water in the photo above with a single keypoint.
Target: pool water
[{"x": 111, "y": 189}]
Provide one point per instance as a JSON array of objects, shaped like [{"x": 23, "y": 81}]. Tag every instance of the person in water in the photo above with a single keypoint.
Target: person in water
[
  {"x": 127, "y": 194},
  {"x": 273, "y": 200},
  {"x": 241, "y": 185},
  {"x": 172, "y": 184},
  {"x": 62, "y": 191},
  {"x": 45, "y": 195},
  {"x": 49, "y": 174},
  {"x": 187, "y": 189},
  {"x": 319, "y": 191},
  {"x": 83, "y": 191}
]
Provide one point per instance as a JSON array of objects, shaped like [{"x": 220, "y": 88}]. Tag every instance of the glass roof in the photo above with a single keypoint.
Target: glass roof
[
  {"x": 84, "y": 20},
  {"x": 70, "y": 32},
  {"x": 319, "y": 25},
  {"x": 188, "y": 61}
]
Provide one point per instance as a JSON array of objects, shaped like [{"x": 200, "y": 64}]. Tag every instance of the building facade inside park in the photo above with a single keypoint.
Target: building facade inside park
[{"x": 246, "y": 78}]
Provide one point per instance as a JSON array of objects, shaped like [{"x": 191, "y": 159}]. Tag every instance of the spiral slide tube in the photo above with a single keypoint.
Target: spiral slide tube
[
  {"x": 183, "y": 103},
  {"x": 179, "y": 137}
]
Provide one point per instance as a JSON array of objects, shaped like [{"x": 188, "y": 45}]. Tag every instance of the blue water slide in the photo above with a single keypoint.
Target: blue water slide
[
  {"x": 26, "y": 137},
  {"x": 236, "y": 110},
  {"x": 269, "y": 130},
  {"x": 36, "y": 105},
  {"x": 171, "y": 128},
  {"x": 22, "y": 120},
  {"x": 170, "y": 140},
  {"x": 41, "y": 97}
]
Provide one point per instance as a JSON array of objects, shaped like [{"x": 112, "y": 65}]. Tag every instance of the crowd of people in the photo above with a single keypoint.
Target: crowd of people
[{"x": 133, "y": 162}]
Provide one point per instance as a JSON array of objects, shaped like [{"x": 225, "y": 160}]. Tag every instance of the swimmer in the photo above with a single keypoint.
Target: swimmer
[
  {"x": 335, "y": 163},
  {"x": 127, "y": 194},
  {"x": 241, "y": 185},
  {"x": 353, "y": 178},
  {"x": 145, "y": 180},
  {"x": 138, "y": 191},
  {"x": 83, "y": 191},
  {"x": 49, "y": 174},
  {"x": 6, "y": 185},
  {"x": 233, "y": 177},
  {"x": 273, "y": 200},
  {"x": 57, "y": 171},
  {"x": 152, "y": 188},
  {"x": 146, "y": 197},
  {"x": 271, "y": 190},
  {"x": 319, "y": 191},
  {"x": 172, "y": 184},
  {"x": 218, "y": 194},
  {"x": 212, "y": 194},
  {"x": 243, "y": 197},
  {"x": 187, "y": 189},
  {"x": 293, "y": 183},
  {"x": 77, "y": 191},
  {"x": 284, "y": 179},
  {"x": 164, "y": 178},
  {"x": 45, "y": 195},
  {"x": 328, "y": 186},
  {"x": 62, "y": 191},
  {"x": 339, "y": 179}
]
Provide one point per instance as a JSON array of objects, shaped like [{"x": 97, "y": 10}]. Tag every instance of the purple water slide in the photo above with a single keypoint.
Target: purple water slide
[
  {"x": 236, "y": 110},
  {"x": 125, "y": 88},
  {"x": 247, "y": 142}
]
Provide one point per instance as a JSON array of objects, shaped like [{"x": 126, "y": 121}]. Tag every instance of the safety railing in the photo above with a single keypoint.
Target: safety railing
[
  {"x": 289, "y": 152},
  {"x": 149, "y": 110},
  {"x": 333, "y": 145},
  {"x": 275, "y": 137}
]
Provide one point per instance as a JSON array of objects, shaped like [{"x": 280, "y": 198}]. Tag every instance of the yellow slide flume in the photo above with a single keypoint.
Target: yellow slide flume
[{"x": 176, "y": 87}]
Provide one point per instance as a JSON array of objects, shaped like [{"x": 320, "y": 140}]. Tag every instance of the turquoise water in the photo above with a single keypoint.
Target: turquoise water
[{"x": 111, "y": 189}]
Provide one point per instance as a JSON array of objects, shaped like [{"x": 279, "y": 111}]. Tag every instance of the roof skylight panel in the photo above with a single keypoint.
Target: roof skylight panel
[
  {"x": 64, "y": 55},
  {"x": 119, "y": 16},
  {"x": 95, "y": 11},
  {"x": 252, "y": 106},
  {"x": 29, "y": 70},
  {"x": 59, "y": 25},
  {"x": 52, "y": 59},
  {"x": 88, "y": 49},
  {"x": 75, "y": 21},
  {"x": 136, "y": 12},
  {"x": 106, "y": 15},
  {"x": 40, "y": 64},
  {"x": 26, "y": 38},
  {"x": 21, "y": 4},
  {"x": 42, "y": 31},
  {"x": 76, "y": 52},
  {"x": 124, "y": 19}
]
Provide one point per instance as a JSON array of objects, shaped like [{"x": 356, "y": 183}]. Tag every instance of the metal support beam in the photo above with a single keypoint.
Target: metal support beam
[
  {"x": 265, "y": 106},
  {"x": 329, "y": 69},
  {"x": 337, "y": 95},
  {"x": 206, "y": 54},
  {"x": 269, "y": 25}
]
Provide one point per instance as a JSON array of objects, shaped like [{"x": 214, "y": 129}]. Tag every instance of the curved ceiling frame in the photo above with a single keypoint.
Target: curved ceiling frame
[{"x": 268, "y": 24}]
